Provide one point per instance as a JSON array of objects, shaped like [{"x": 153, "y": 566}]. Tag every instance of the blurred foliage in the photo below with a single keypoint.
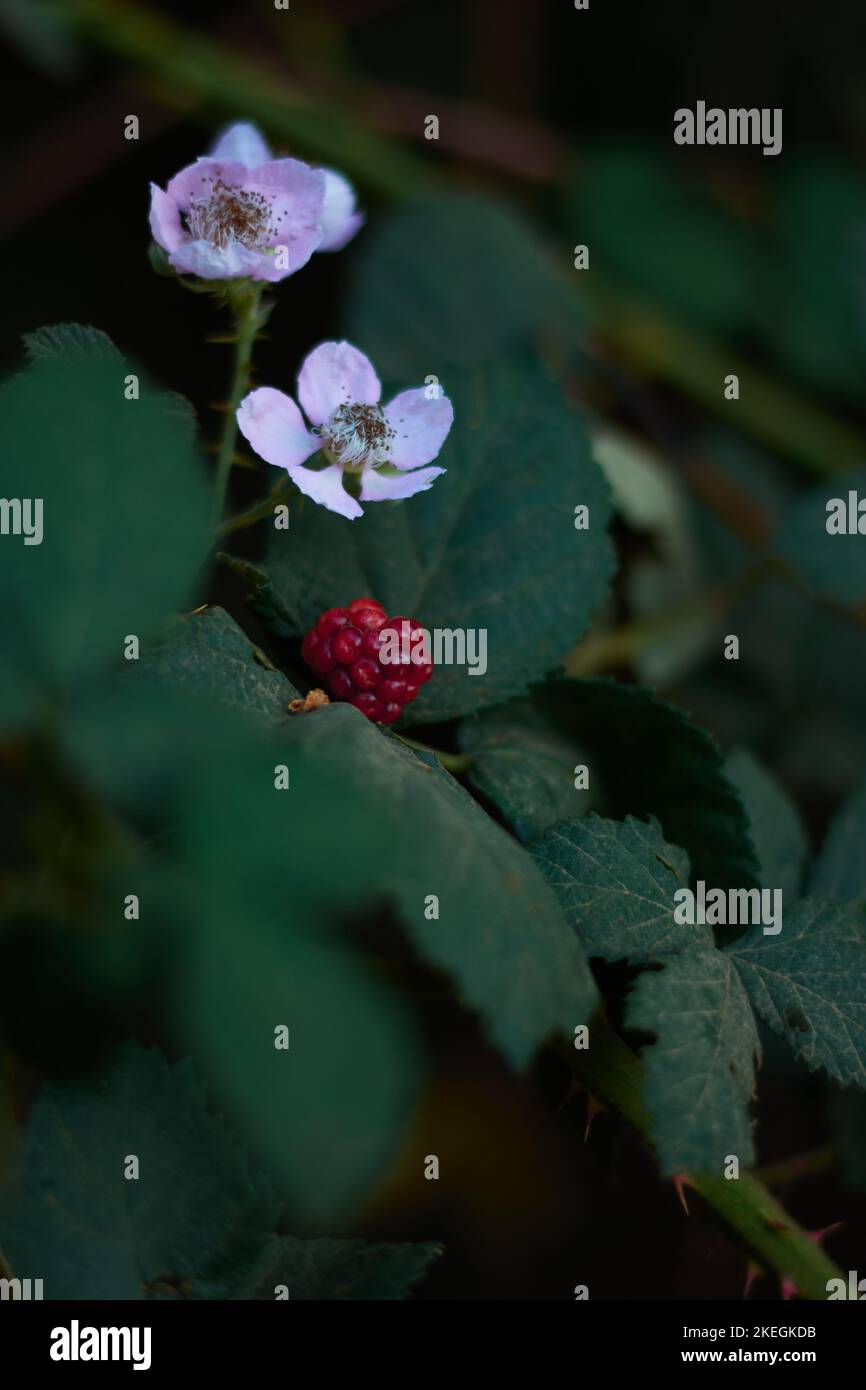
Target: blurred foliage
[
  {"x": 832, "y": 565},
  {"x": 408, "y": 302},
  {"x": 311, "y": 907},
  {"x": 197, "y": 1222},
  {"x": 815, "y": 317},
  {"x": 661, "y": 234},
  {"x": 777, "y": 831},
  {"x": 113, "y": 559},
  {"x": 840, "y": 870},
  {"x": 792, "y": 278}
]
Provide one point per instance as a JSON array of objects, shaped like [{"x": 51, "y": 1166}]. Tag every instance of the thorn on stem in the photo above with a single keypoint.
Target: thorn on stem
[
  {"x": 573, "y": 1090},
  {"x": 681, "y": 1182},
  {"x": 752, "y": 1272},
  {"x": 593, "y": 1108}
]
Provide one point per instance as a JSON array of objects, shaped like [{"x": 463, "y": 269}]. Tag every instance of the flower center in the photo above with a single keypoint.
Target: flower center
[
  {"x": 232, "y": 214},
  {"x": 356, "y": 435}
]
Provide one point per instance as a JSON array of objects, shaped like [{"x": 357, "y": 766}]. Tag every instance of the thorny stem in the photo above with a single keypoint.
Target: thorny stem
[
  {"x": 612, "y": 1072},
  {"x": 250, "y": 315}
]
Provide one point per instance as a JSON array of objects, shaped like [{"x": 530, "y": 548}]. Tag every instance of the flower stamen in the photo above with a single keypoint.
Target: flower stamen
[
  {"x": 356, "y": 435},
  {"x": 232, "y": 214}
]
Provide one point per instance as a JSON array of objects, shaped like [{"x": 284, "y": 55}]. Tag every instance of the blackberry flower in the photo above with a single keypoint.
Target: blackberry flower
[{"x": 380, "y": 447}]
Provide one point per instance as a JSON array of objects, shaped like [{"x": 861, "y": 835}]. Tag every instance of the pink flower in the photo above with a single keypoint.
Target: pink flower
[
  {"x": 238, "y": 212},
  {"x": 340, "y": 220},
  {"x": 383, "y": 446}
]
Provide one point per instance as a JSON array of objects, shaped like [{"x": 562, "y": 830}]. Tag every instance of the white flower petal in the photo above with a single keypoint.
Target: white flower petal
[
  {"x": 325, "y": 486},
  {"x": 243, "y": 142},
  {"x": 336, "y": 374},
  {"x": 274, "y": 426},
  {"x": 420, "y": 426},
  {"x": 379, "y": 487}
]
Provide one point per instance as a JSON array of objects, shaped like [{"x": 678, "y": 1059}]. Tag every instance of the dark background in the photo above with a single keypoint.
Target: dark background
[{"x": 526, "y": 92}]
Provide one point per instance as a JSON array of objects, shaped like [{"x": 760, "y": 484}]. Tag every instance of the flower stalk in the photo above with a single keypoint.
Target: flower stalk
[
  {"x": 250, "y": 314},
  {"x": 241, "y": 520}
]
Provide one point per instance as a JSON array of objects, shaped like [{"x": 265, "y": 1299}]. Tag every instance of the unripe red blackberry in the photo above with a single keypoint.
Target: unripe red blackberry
[{"x": 348, "y": 646}]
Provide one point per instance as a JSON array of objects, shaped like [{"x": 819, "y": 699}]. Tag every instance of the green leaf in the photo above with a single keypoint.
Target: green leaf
[
  {"x": 408, "y": 304},
  {"x": 491, "y": 546},
  {"x": 809, "y": 985},
  {"x": 840, "y": 871},
  {"x": 330, "y": 1111},
  {"x": 252, "y": 890},
  {"x": 68, "y": 341},
  {"x": 778, "y": 695},
  {"x": 262, "y": 597},
  {"x": 499, "y": 930},
  {"x": 211, "y": 657},
  {"x": 142, "y": 740},
  {"x": 811, "y": 308},
  {"x": 405, "y": 829},
  {"x": 700, "y": 1072},
  {"x": 266, "y": 872},
  {"x": 831, "y": 566},
  {"x": 777, "y": 831},
  {"x": 651, "y": 760},
  {"x": 342, "y": 1269},
  {"x": 525, "y": 767},
  {"x": 615, "y": 881},
  {"x": 665, "y": 573},
  {"x": 663, "y": 236},
  {"x": 140, "y": 744},
  {"x": 197, "y": 1213},
  {"x": 124, "y": 522}
]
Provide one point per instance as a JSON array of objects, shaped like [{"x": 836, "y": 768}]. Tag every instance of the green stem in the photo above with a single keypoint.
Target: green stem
[
  {"x": 452, "y": 762},
  {"x": 620, "y": 646},
  {"x": 806, "y": 1165},
  {"x": 245, "y": 302},
  {"x": 257, "y": 512},
  {"x": 613, "y": 1073}
]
